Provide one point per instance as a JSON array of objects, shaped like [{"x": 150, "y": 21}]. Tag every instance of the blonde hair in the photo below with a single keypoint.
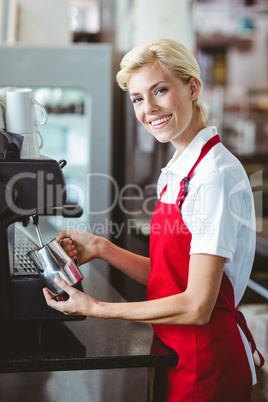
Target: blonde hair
[{"x": 171, "y": 56}]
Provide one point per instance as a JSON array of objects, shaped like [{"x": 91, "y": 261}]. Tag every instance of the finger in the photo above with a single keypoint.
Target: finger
[
  {"x": 69, "y": 248},
  {"x": 51, "y": 302},
  {"x": 63, "y": 234},
  {"x": 60, "y": 298},
  {"x": 49, "y": 297},
  {"x": 64, "y": 285},
  {"x": 65, "y": 243},
  {"x": 71, "y": 253}
]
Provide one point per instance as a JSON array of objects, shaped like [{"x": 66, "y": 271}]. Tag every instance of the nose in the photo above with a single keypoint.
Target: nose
[{"x": 150, "y": 106}]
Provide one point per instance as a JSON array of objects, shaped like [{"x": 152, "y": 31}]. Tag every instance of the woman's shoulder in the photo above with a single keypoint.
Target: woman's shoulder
[{"x": 221, "y": 165}]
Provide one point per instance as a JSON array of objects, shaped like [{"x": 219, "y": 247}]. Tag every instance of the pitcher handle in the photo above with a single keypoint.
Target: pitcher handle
[
  {"x": 41, "y": 138},
  {"x": 44, "y": 112}
]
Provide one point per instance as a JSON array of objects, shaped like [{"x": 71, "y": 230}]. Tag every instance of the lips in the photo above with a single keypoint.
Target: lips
[{"x": 157, "y": 122}]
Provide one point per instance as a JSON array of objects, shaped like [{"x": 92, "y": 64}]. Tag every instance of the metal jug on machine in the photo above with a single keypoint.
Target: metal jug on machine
[{"x": 51, "y": 261}]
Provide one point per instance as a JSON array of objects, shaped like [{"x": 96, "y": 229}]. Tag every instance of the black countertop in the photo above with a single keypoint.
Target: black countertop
[{"x": 82, "y": 345}]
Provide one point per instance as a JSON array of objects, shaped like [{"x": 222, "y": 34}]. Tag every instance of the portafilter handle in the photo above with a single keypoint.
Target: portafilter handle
[{"x": 62, "y": 163}]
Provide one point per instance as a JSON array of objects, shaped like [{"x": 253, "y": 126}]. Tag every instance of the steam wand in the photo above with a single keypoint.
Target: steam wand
[{"x": 36, "y": 224}]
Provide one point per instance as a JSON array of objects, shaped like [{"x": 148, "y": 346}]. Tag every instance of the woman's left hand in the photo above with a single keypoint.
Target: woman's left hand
[{"x": 78, "y": 303}]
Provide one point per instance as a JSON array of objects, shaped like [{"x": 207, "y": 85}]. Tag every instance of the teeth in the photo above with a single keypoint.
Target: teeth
[{"x": 159, "y": 121}]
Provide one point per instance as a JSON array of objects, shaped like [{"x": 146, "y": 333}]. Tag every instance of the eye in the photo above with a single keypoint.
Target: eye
[
  {"x": 137, "y": 99},
  {"x": 160, "y": 91}
]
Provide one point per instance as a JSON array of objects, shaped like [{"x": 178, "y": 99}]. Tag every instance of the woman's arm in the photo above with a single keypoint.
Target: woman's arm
[
  {"x": 87, "y": 247},
  {"x": 194, "y": 306},
  {"x": 133, "y": 265}
]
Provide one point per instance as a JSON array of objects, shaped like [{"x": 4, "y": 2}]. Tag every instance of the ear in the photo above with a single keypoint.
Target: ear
[{"x": 194, "y": 88}]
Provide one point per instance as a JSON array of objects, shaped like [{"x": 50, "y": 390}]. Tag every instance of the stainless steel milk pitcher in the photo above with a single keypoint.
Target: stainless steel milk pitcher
[{"x": 51, "y": 261}]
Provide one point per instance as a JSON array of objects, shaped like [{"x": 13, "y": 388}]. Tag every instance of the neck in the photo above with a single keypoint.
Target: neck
[{"x": 197, "y": 124}]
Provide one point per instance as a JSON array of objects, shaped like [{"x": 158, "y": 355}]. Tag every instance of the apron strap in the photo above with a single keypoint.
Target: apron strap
[
  {"x": 162, "y": 192},
  {"x": 185, "y": 181},
  {"x": 241, "y": 321}
]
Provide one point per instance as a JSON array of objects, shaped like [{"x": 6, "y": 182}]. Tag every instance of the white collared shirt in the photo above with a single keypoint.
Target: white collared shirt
[{"x": 218, "y": 210}]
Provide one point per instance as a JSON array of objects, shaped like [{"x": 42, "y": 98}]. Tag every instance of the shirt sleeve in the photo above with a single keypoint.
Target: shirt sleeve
[{"x": 215, "y": 213}]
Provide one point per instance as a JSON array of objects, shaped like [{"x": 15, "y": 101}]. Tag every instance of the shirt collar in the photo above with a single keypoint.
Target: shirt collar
[{"x": 187, "y": 159}]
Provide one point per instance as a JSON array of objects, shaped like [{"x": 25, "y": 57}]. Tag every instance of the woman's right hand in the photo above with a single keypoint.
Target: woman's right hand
[{"x": 82, "y": 245}]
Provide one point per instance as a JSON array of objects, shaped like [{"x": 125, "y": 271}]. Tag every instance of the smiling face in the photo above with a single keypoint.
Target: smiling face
[{"x": 164, "y": 105}]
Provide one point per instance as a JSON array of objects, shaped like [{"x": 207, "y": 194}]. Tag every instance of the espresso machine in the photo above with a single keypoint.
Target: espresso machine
[{"x": 28, "y": 187}]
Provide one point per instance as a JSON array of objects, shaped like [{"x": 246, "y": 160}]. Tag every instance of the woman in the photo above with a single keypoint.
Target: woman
[{"x": 202, "y": 239}]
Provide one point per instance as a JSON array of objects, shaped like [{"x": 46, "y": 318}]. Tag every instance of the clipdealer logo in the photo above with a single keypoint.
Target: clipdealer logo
[{"x": 129, "y": 196}]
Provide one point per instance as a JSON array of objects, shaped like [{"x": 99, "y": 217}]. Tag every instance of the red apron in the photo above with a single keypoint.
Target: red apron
[{"x": 213, "y": 365}]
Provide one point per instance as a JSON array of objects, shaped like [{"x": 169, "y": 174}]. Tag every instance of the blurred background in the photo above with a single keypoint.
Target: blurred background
[{"x": 230, "y": 41}]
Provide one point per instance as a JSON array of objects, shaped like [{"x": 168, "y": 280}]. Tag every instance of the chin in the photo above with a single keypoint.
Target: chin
[{"x": 162, "y": 139}]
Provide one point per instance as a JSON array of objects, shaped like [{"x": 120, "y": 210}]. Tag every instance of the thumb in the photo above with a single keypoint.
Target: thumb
[
  {"x": 61, "y": 235},
  {"x": 63, "y": 285}
]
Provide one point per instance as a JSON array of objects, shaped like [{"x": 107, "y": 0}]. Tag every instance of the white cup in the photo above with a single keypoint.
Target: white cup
[
  {"x": 21, "y": 112},
  {"x": 3, "y": 92},
  {"x": 30, "y": 147},
  {"x": 2, "y": 123}
]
